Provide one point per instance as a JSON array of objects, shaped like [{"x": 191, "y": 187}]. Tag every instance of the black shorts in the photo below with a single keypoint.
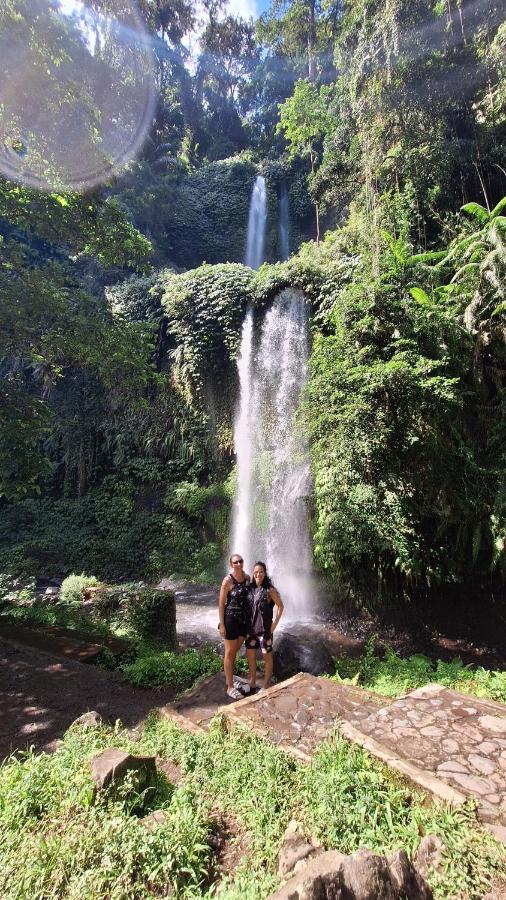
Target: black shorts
[
  {"x": 261, "y": 642},
  {"x": 234, "y": 628}
]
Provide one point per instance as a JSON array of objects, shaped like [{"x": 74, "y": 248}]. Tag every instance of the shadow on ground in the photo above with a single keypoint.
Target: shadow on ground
[{"x": 42, "y": 694}]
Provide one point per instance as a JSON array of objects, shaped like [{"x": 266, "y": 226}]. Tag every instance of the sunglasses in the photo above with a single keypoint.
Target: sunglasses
[{"x": 237, "y": 562}]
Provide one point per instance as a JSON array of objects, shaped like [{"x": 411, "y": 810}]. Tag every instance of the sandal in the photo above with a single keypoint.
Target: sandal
[{"x": 234, "y": 694}]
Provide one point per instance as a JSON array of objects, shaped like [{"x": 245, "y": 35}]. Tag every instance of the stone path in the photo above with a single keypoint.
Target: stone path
[
  {"x": 448, "y": 743},
  {"x": 458, "y": 738}
]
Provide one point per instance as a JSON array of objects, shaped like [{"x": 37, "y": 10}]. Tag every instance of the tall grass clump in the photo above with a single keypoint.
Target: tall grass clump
[{"x": 72, "y": 587}]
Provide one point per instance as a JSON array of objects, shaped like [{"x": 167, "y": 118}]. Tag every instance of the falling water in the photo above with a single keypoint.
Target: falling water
[
  {"x": 242, "y": 445},
  {"x": 271, "y": 521},
  {"x": 284, "y": 239},
  {"x": 254, "y": 256}
]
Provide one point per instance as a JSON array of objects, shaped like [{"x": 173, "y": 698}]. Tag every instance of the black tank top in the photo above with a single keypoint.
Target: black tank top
[
  {"x": 237, "y": 597},
  {"x": 261, "y": 610}
]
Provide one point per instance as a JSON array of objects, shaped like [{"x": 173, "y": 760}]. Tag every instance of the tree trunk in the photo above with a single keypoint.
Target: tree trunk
[{"x": 311, "y": 41}]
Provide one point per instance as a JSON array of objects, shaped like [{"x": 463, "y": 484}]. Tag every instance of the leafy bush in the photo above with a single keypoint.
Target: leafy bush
[
  {"x": 73, "y": 585},
  {"x": 148, "y": 614},
  {"x": 179, "y": 670}
]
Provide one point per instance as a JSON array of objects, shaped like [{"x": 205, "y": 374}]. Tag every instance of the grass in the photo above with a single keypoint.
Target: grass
[
  {"x": 393, "y": 676},
  {"x": 177, "y": 669},
  {"x": 56, "y": 841}
]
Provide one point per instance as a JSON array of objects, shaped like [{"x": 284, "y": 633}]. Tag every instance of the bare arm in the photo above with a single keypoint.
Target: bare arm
[
  {"x": 225, "y": 587},
  {"x": 274, "y": 595}
]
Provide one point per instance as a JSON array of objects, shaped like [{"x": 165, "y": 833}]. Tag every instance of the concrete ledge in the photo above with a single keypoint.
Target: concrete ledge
[{"x": 185, "y": 724}]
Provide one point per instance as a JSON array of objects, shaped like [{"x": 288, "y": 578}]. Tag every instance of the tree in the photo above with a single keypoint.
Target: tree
[
  {"x": 50, "y": 324},
  {"x": 304, "y": 119}
]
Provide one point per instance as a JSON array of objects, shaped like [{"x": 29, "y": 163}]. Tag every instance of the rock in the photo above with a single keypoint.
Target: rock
[
  {"x": 91, "y": 593},
  {"x": 495, "y": 724},
  {"x": 51, "y": 593},
  {"x": 405, "y": 878},
  {"x": 429, "y": 854},
  {"x": 111, "y": 767},
  {"x": 319, "y": 879},
  {"x": 296, "y": 650},
  {"x": 91, "y": 719},
  {"x": 295, "y": 848},
  {"x": 363, "y": 876},
  {"x": 154, "y": 820},
  {"x": 367, "y": 877},
  {"x": 499, "y": 832}
]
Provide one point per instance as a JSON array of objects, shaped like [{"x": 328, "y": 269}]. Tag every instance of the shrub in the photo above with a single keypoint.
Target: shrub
[
  {"x": 178, "y": 670},
  {"x": 393, "y": 675},
  {"x": 73, "y": 586},
  {"x": 152, "y": 614},
  {"x": 147, "y": 613}
]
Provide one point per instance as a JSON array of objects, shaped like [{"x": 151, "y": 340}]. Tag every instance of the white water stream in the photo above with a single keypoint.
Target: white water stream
[{"x": 271, "y": 516}]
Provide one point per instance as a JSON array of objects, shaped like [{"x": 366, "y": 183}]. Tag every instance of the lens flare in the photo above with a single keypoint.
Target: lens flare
[{"x": 77, "y": 91}]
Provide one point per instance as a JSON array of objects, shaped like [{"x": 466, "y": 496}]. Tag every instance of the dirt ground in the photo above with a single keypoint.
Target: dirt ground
[{"x": 41, "y": 694}]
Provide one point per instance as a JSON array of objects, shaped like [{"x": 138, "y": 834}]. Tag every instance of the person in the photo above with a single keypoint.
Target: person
[
  {"x": 233, "y": 611},
  {"x": 263, "y": 598}
]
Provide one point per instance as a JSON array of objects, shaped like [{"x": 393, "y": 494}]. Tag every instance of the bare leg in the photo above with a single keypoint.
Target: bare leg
[
  {"x": 231, "y": 649},
  {"x": 252, "y": 667},
  {"x": 268, "y": 665}
]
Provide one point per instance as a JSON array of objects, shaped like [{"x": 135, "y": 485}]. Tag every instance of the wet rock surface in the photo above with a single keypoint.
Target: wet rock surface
[{"x": 300, "y": 649}]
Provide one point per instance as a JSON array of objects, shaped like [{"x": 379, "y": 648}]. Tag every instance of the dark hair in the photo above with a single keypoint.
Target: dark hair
[{"x": 267, "y": 581}]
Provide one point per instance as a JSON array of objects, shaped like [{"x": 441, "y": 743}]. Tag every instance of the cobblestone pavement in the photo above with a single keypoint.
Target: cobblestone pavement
[
  {"x": 449, "y": 743},
  {"x": 458, "y": 738},
  {"x": 300, "y": 713}
]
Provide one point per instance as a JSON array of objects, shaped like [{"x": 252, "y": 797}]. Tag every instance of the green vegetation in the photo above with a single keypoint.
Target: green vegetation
[
  {"x": 56, "y": 840},
  {"x": 180, "y": 670},
  {"x": 386, "y": 128},
  {"x": 73, "y": 585},
  {"x": 393, "y": 675}
]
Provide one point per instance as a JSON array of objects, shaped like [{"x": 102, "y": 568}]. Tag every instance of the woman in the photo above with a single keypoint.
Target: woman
[
  {"x": 263, "y": 597},
  {"x": 233, "y": 610}
]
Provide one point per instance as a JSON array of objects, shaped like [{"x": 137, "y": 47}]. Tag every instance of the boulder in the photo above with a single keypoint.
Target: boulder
[
  {"x": 330, "y": 875},
  {"x": 294, "y": 849},
  {"x": 429, "y": 854},
  {"x": 90, "y": 719},
  {"x": 405, "y": 877},
  {"x": 111, "y": 766},
  {"x": 297, "y": 650}
]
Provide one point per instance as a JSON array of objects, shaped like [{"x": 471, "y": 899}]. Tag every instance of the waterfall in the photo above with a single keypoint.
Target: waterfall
[
  {"x": 284, "y": 239},
  {"x": 254, "y": 258},
  {"x": 242, "y": 446},
  {"x": 271, "y": 520},
  {"x": 257, "y": 219}
]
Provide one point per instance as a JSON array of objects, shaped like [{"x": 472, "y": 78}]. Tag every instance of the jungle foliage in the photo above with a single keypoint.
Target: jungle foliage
[{"x": 122, "y": 308}]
